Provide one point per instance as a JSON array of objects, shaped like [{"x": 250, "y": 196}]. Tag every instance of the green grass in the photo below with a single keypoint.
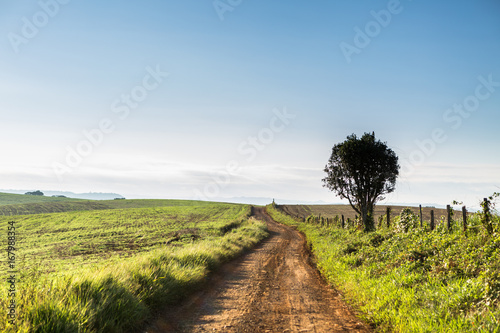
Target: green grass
[
  {"x": 420, "y": 281},
  {"x": 50, "y": 207},
  {"x": 77, "y": 239},
  {"x": 110, "y": 270},
  {"x": 9, "y": 199},
  {"x": 16, "y": 204}
]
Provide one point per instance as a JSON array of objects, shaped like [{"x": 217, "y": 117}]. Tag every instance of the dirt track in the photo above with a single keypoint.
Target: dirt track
[{"x": 271, "y": 289}]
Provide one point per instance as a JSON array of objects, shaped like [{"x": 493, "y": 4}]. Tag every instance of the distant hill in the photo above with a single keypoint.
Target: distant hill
[
  {"x": 21, "y": 204},
  {"x": 262, "y": 201},
  {"x": 88, "y": 196},
  {"x": 12, "y": 199}
]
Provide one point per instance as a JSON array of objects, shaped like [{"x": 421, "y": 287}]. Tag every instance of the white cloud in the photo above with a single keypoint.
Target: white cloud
[{"x": 454, "y": 173}]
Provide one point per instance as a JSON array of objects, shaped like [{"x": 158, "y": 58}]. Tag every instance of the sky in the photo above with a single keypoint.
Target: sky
[{"x": 234, "y": 98}]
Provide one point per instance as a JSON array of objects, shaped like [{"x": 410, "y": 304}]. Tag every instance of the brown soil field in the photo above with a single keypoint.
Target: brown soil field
[{"x": 330, "y": 211}]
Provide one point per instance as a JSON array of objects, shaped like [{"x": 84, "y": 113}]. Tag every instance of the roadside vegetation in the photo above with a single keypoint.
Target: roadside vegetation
[
  {"x": 110, "y": 270},
  {"x": 407, "y": 278},
  {"x": 336, "y": 211}
]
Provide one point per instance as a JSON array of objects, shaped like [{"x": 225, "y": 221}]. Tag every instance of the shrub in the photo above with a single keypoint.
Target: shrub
[{"x": 407, "y": 220}]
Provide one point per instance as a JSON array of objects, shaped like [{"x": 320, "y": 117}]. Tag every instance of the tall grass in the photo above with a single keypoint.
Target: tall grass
[
  {"x": 122, "y": 296},
  {"x": 419, "y": 281}
]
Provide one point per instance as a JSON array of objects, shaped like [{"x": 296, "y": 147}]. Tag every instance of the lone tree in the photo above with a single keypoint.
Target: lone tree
[
  {"x": 37, "y": 192},
  {"x": 362, "y": 170}
]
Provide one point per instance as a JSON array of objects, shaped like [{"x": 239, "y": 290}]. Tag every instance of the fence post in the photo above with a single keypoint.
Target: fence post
[
  {"x": 421, "y": 219},
  {"x": 487, "y": 216},
  {"x": 388, "y": 214},
  {"x": 343, "y": 222},
  {"x": 432, "y": 219},
  {"x": 448, "y": 209},
  {"x": 464, "y": 214}
]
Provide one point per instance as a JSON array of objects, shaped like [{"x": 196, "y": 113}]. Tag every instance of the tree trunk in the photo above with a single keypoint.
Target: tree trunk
[{"x": 367, "y": 218}]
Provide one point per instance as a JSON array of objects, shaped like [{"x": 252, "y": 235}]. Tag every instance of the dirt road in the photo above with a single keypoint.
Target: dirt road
[{"x": 271, "y": 289}]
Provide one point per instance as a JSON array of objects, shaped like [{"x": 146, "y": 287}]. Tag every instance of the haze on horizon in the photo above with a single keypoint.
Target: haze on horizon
[{"x": 218, "y": 99}]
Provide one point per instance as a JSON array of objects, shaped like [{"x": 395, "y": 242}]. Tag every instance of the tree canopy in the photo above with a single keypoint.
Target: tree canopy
[
  {"x": 37, "y": 192},
  {"x": 362, "y": 170}
]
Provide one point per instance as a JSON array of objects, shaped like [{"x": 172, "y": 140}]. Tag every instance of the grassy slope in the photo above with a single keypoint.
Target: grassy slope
[
  {"x": 419, "y": 281},
  {"x": 17, "y": 204},
  {"x": 87, "y": 237},
  {"x": 9, "y": 199},
  {"x": 109, "y": 270}
]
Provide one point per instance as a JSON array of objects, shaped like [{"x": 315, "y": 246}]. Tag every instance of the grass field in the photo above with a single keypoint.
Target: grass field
[
  {"x": 418, "y": 281},
  {"x": 109, "y": 267},
  {"x": 9, "y": 198},
  {"x": 17, "y": 204}
]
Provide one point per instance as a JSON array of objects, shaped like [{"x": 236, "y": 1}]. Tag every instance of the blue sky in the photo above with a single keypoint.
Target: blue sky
[{"x": 219, "y": 99}]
